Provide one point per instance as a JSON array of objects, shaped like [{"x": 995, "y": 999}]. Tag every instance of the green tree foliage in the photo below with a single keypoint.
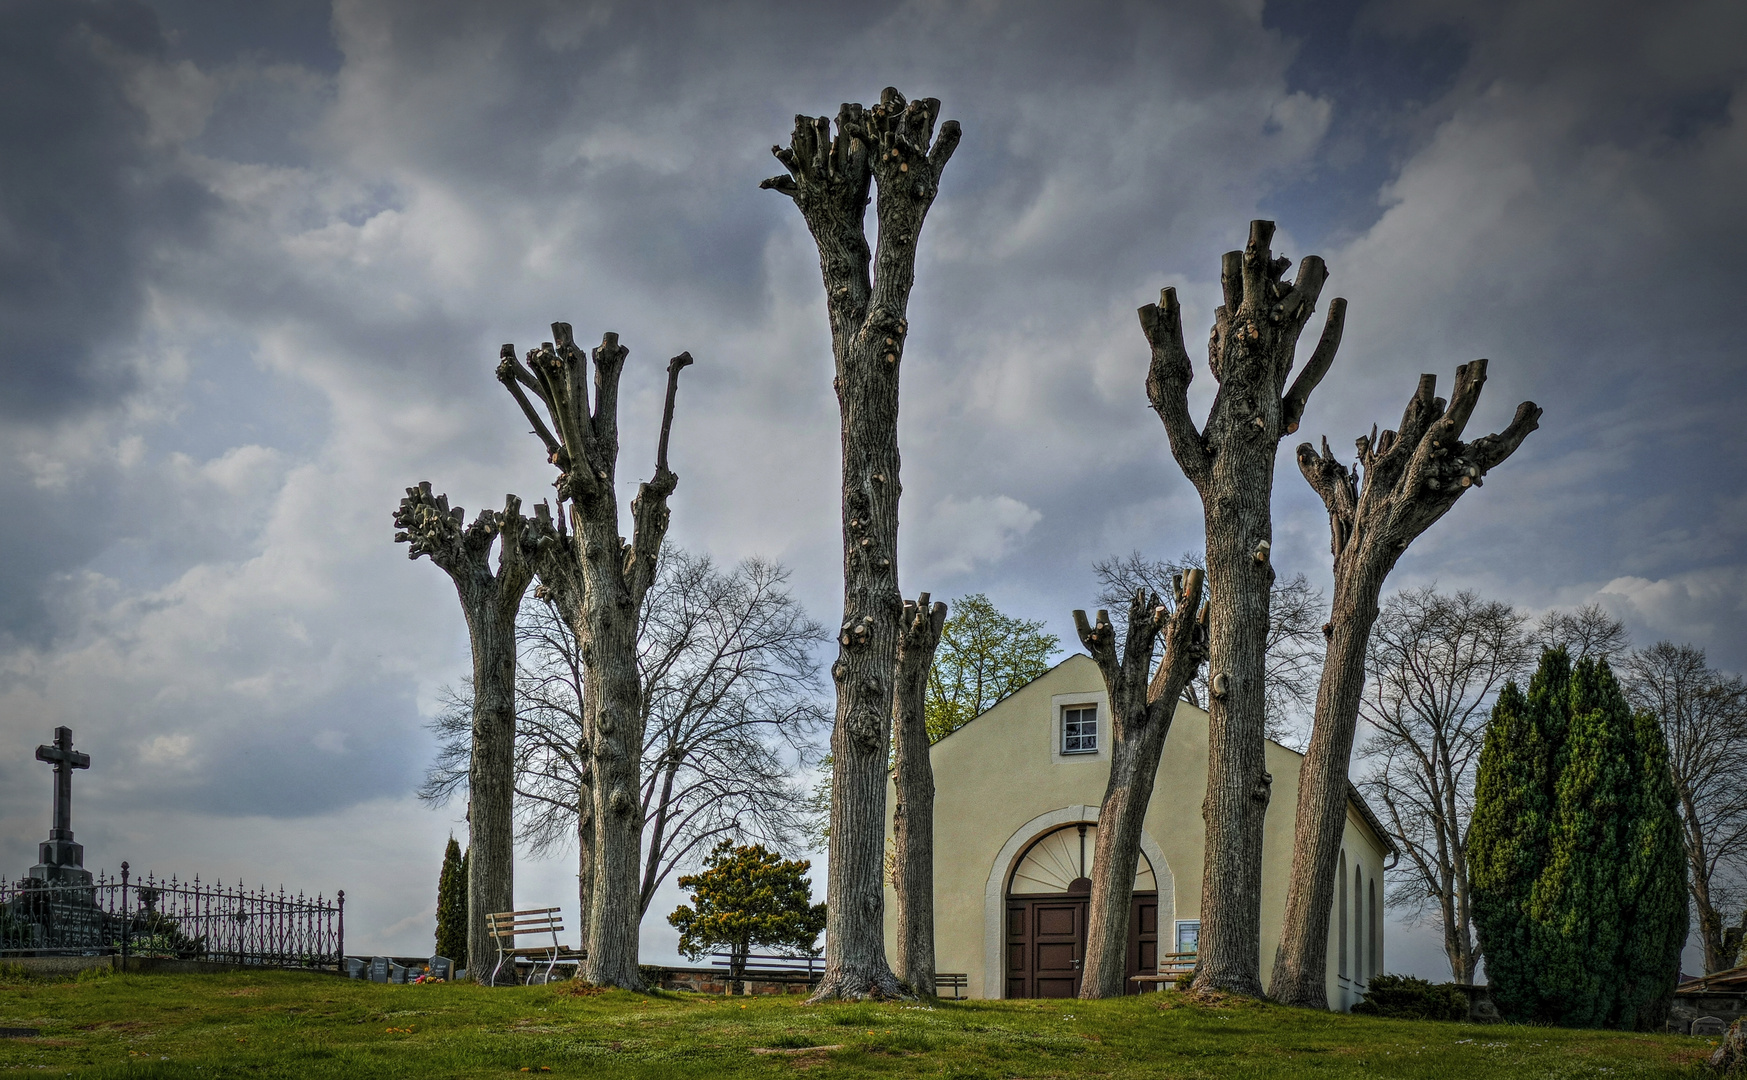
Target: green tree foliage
[
  {"x": 452, "y": 904},
  {"x": 744, "y": 898},
  {"x": 1575, "y": 850},
  {"x": 983, "y": 657}
]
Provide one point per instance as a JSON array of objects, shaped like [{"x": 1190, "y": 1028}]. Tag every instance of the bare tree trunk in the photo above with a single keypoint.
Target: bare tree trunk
[
  {"x": 585, "y": 875},
  {"x": 490, "y": 603},
  {"x": 1141, "y": 716},
  {"x": 599, "y": 582},
  {"x": 913, "y": 817},
  {"x": 1411, "y": 479},
  {"x": 892, "y": 145},
  {"x": 1231, "y": 464}
]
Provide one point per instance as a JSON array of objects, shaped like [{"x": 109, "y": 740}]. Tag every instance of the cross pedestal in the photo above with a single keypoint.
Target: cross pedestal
[{"x": 62, "y": 861}]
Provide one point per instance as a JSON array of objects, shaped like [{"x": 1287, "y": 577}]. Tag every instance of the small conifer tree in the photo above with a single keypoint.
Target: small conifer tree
[
  {"x": 746, "y": 897},
  {"x": 452, "y": 903}
]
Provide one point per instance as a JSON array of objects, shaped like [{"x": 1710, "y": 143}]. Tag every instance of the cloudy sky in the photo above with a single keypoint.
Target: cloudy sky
[{"x": 256, "y": 262}]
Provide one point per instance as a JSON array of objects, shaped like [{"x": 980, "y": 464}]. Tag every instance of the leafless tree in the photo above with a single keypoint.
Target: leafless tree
[
  {"x": 1411, "y": 477},
  {"x": 1296, "y": 612},
  {"x": 1231, "y": 463},
  {"x": 1436, "y": 662},
  {"x": 598, "y": 581},
  {"x": 891, "y": 147},
  {"x": 730, "y": 693},
  {"x": 430, "y": 527},
  {"x": 1704, "y": 716},
  {"x": 1586, "y": 631},
  {"x": 913, "y": 811},
  {"x": 1142, "y": 704}
]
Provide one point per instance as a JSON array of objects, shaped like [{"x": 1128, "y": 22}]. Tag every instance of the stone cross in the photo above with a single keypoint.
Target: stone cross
[{"x": 62, "y": 860}]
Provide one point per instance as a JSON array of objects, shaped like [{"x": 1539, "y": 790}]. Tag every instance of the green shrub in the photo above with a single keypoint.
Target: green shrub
[{"x": 1404, "y": 997}]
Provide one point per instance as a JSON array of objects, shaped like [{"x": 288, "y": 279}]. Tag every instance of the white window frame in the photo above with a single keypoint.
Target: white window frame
[
  {"x": 1177, "y": 935},
  {"x": 1059, "y": 704},
  {"x": 1097, "y": 743}
]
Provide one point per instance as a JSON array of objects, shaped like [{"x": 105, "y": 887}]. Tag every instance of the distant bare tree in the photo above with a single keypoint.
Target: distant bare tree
[
  {"x": 1704, "y": 716},
  {"x": 1296, "y": 612},
  {"x": 730, "y": 700},
  {"x": 1586, "y": 631},
  {"x": 1436, "y": 661}
]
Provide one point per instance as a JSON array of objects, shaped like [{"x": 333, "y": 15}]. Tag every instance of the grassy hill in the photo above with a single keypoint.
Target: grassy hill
[{"x": 280, "y": 1024}]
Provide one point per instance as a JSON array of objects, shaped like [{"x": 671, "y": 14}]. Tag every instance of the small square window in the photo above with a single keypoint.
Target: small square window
[{"x": 1080, "y": 729}]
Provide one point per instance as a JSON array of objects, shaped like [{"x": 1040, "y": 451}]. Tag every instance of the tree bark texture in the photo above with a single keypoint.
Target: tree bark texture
[
  {"x": 1231, "y": 464},
  {"x": 913, "y": 817},
  {"x": 489, "y": 601},
  {"x": 1411, "y": 478},
  {"x": 1140, "y": 715},
  {"x": 598, "y": 582},
  {"x": 893, "y": 146}
]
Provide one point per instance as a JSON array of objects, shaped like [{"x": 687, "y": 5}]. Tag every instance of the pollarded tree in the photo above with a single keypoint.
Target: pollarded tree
[
  {"x": 1142, "y": 705},
  {"x": 598, "y": 582},
  {"x": 913, "y": 776},
  {"x": 1411, "y": 477},
  {"x": 431, "y": 527},
  {"x": 1231, "y": 464},
  {"x": 746, "y": 897},
  {"x": 892, "y": 147}
]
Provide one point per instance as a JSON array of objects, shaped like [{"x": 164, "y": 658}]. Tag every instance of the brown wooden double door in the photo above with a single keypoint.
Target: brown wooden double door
[{"x": 1046, "y": 943}]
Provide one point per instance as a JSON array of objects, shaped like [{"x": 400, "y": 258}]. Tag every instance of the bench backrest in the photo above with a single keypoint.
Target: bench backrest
[{"x": 507, "y": 924}]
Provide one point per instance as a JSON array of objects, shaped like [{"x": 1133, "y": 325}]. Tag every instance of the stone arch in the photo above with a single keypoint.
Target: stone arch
[{"x": 1007, "y": 859}]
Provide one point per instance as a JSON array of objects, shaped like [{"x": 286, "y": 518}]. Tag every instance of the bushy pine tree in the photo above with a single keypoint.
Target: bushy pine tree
[
  {"x": 747, "y": 897},
  {"x": 1579, "y": 880},
  {"x": 452, "y": 904}
]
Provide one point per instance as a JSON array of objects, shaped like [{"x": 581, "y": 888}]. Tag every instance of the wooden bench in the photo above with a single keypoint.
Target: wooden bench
[
  {"x": 774, "y": 967},
  {"x": 952, "y": 980},
  {"x": 1172, "y": 966},
  {"x": 505, "y": 925}
]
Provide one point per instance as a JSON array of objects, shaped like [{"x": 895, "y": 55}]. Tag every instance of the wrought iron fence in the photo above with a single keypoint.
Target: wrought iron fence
[{"x": 172, "y": 919}]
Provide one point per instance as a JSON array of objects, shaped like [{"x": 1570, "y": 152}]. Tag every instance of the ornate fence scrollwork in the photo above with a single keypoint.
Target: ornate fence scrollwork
[{"x": 171, "y": 919}]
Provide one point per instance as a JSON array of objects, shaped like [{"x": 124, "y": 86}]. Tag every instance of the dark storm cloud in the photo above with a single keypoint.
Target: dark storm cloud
[{"x": 85, "y": 203}]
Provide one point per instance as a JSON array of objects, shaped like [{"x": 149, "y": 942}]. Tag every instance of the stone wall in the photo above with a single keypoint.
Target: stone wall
[{"x": 1725, "y": 1006}]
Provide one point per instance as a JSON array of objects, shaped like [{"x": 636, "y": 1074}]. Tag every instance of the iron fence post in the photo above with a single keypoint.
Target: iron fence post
[
  {"x": 126, "y": 918},
  {"x": 341, "y": 944}
]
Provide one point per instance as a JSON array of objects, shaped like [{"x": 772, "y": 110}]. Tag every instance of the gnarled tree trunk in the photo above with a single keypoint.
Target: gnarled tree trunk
[
  {"x": 598, "y": 582},
  {"x": 913, "y": 817},
  {"x": 1140, "y": 716},
  {"x": 1411, "y": 478},
  {"x": 891, "y": 145},
  {"x": 1231, "y": 464},
  {"x": 490, "y": 602}
]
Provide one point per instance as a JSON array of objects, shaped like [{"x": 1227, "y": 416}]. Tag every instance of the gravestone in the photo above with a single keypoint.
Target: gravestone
[
  {"x": 356, "y": 967},
  {"x": 379, "y": 966},
  {"x": 442, "y": 968},
  {"x": 62, "y": 862},
  {"x": 397, "y": 973},
  {"x": 1709, "y": 1025}
]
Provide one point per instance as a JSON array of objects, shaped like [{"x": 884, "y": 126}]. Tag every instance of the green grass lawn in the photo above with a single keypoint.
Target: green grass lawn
[{"x": 282, "y": 1024}]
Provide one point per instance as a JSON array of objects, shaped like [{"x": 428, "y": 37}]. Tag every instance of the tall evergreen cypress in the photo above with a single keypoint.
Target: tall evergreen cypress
[
  {"x": 1509, "y": 835},
  {"x": 1579, "y": 899},
  {"x": 1657, "y": 918},
  {"x": 452, "y": 904},
  {"x": 1575, "y": 849}
]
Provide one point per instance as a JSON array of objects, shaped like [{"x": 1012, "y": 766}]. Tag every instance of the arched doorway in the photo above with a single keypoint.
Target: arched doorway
[{"x": 1047, "y": 894}]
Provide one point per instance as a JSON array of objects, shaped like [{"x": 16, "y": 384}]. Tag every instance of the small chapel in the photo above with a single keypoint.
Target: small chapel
[{"x": 1017, "y": 792}]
